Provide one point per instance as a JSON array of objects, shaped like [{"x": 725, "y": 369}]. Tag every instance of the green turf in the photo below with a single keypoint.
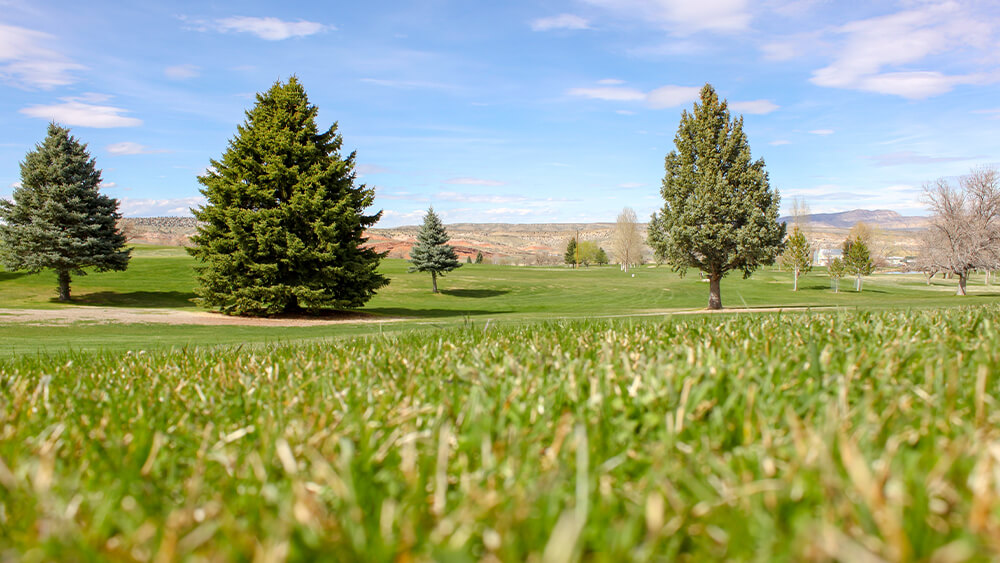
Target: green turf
[
  {"x": 816, "y": 436},
  {"x": 163, "y": 277}
]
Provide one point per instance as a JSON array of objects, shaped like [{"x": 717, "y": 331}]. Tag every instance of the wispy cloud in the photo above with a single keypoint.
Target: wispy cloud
[
  {"x": 663, "y": 97},
  {"x": 267, "y": 28},
  {"x": 682, "y": 16},
  {"x": 178, "y": 207},
  {"x": 127, "y": 148},
  {"x": 27, "y": 61},
  {"x": 365, "y": 169},
  {"x": 408, "y": 84},
  {"x": 562, "y": 21},
  {"x": 822, "y": 132},
  {"x": 910, "y": 157},
  {"x": 182, "y": 72},
  {"x": 779, "y": 142},
  {"x": 474, "y": 182},
  {"x": 756, "y": 107},
  {"x": 872, "y": 52},
  {"x": 81, "y": 111},
  {"x": 478, "y": 198}
]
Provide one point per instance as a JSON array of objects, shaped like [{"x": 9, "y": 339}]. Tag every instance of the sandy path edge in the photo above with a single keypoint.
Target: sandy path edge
[{"x": 125, "y": 315}]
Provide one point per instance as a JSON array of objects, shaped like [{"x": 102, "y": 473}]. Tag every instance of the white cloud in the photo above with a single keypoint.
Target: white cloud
[
  {"x": 268, "y": 28},
  {"x": 76, "y": 111},
  {"x": 133, "y": 207},
  {"x": 271, "y": 29},
  {"x": 408, "y": 84},
  {"x": 624, "y": 112},
  {"x": 27, "y": 61},
  {"x": 108, "y": 185},
  {"x": 672, "y": 96},
  {"x": 182, "y": 72},
  {"x": 367, "y": 169},
  {"x": 822, "y": 132},
  {"x": 562, "y": 21},
  {"x": 756, "y": 107},
  {"x": 127, "y": 147},
  {"x": 682, "y": 16},
  {"x": 610, "y": 93},
  {"x": 663, "y": 97},
  {"x": 630, "y": 185},
  {"x": 610, "y": 82},
  {"x": 478, "y": 198},
  {"x": 870, "y": 46},
  {"x": 779, "y": 142},
  {"x": 474, "y": 182}
]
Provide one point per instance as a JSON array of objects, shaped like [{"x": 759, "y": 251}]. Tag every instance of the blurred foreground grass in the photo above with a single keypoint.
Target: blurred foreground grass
[{"x": 847, "y": 436}]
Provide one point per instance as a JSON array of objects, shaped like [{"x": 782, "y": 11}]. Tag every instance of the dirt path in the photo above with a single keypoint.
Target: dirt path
[{"x": 122, "y": 315}]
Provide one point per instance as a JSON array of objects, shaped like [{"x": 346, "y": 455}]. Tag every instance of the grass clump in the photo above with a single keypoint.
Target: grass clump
[{"x": 769, "y": 437}]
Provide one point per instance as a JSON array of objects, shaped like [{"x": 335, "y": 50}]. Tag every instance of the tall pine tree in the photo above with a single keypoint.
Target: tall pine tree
[
  {"x": 283, "y": 227},
  {"x": 720, "y": 213},
  {"x": 59, "y": 220},
  {"x": 857, "y": 260},
  {"x": 432, "y": 253}
]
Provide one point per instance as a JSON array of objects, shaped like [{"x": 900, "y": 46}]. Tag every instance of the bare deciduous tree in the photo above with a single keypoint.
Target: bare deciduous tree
[
  {"x": 626, "y": 241},
  {"x": 964, "y": 234}
]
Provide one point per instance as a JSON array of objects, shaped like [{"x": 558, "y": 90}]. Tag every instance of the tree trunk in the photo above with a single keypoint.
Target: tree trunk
[
  {"x": 714, "y": 291},
  {"x": 795, "y": 278},
  {"x": 434, "y": 280},
  {"x": 857, "y": 285},
  {"x": 962, "y": 277},
  {"x": 63, "y": 276}
]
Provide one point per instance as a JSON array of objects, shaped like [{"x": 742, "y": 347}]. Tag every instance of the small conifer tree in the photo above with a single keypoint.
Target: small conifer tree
[
  {"x": 602, "y": 257},
  {"x": 797, "y": 256},
  {"x": 479, "y": 257},
  {"x": 432, "y": 253},
  {"x": 59, "y": 220},
  {"x": 571, "y": 253}
]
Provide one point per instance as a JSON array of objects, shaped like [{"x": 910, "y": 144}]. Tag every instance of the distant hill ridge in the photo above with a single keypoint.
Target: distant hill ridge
[
  {"x": 882, "y": 218},
  {"x": 528, "y": 243}
]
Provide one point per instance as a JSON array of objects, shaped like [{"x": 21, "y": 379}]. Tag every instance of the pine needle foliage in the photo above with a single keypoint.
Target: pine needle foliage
[
  {"x": 719, "y": 212},
  {"x": 58, "y": 219},
  {"x": 283, "y": 228},
  {"x": 432, "y": 253}
]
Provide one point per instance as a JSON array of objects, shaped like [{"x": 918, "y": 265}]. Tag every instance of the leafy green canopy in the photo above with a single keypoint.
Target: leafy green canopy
[
  {"x": 59, "y": 220},
  {"x": 432, "y": 253},
  {"x": 719, "y": 211},
  {"x": 282, "y": 229},
  {"x": 797, "y": 256}
]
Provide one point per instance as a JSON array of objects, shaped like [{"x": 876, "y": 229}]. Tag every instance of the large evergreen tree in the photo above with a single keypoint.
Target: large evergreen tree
[
  {"x": 797, "y": 256},
  {"x": 59, "y": 220},
  {"x": 720, "y": 213},
  {"x": 283, "y": 227},
  {"x": 432, "y": 253}
]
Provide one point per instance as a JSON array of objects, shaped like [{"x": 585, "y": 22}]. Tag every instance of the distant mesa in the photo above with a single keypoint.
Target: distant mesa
[
  {"x": 544, "y": 243},
  {"x": 882, "y": 218}
]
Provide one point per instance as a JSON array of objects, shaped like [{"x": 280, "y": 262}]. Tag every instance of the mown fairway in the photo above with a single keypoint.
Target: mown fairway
[
  {"x": 769, "y": 437},
  {"x": 163, "y": 277}
]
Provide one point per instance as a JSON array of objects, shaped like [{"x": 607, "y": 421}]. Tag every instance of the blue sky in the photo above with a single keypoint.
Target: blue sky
[{"x": 546, "y": 111}]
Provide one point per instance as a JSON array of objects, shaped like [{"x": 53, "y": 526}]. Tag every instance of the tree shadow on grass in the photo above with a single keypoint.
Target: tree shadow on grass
[
  {"x": 475, "y": 293},
  {"x": 429, "y": 313},
  {"x": 4, "y": 275},
  {"x": 140, "y": 299}
]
